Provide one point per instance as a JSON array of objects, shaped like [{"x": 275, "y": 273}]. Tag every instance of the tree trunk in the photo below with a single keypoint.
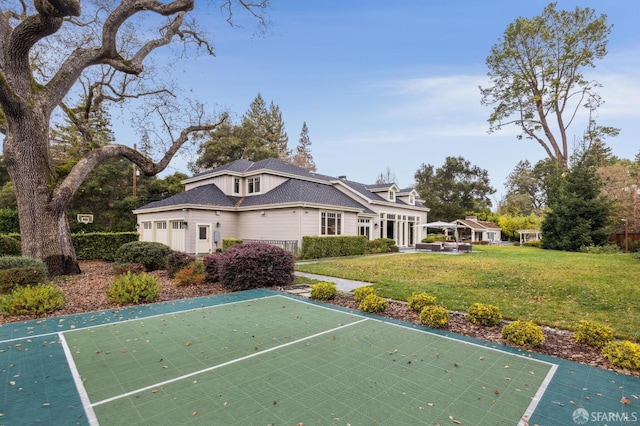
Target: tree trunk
[{"x": 44, "y": 228}]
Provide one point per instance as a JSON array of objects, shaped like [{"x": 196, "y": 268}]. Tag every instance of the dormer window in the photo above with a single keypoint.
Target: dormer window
[
  {"x": 392, "y": 195},
  {"x": 253, "y": 185},
  {"x": 236, "y": 185},
  {"x": 412, "y": 200}
]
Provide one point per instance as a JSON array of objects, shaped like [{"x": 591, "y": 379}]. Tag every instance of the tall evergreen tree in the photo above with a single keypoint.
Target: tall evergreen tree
[
  {"x": 302, "y": 157},
  {"x": 579, "y": 214}
]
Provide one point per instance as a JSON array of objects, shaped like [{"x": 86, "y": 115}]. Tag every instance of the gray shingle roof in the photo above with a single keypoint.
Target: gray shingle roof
[{"x": 208, "y": 195}]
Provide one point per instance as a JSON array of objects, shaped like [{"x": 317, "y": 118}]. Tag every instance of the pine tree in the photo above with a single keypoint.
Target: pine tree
[{"x": 303, "y": 158}]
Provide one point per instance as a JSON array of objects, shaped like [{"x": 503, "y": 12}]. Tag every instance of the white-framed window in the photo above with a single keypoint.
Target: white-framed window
[
  {"x": 412, "y": 200},
  {"x": 147, "y": 225},
  {"x": 236, "y": 185},
  {"x": 330, "y": 223},
  {"x": 161, "y": 225},
  {"x": 364, "y": 227},
  {"x": 178, "y": 224},
  {"x": 392, "y": 195},
  {"x": 253, "y": 185}
]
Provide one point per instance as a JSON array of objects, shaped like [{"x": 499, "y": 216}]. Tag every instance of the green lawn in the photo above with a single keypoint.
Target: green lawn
[{"x": 549, "y": 287}]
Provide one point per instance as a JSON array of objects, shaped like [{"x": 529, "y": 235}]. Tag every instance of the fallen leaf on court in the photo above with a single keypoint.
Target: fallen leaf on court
[
  {"x": 154, "y": 391},
  {"x": 46, "y": 404},
  {"x": 188, "y": 343},
  {"x": 497, "y": 392},
  {"x": 625, "y": 400},
  {"x": 195, "y": 413},
  {"x": 124, "y": 351},
  {"x": 599, "y": 394}
]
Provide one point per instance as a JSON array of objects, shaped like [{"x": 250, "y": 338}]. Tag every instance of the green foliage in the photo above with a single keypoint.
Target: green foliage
[
  {"x": 324, "y": 291},
  {"x": 432, "y": 238},
  {"x": 593, "y": 333},
  {"x": 523, "y": 333},
  {"x": 101, "y": 245},
  {"x": 434, "y": 316},
  {"x": 417, "y": 301},
  {"x": 361, "y": 292},
  {"x": 34, "y": 300},
  {"x": 230, "y": 242},
  {"x": 178, "y": 260},
  {"x": 535, "y": 243},
  {"x": 605, "y": 249},
  {"x": 151, "y": 255},
  {"x": 482, "y": 314},
  {"x": 334, "y": 246},
  {"x": 579, "y": 213},
  {"x": 381, "y": 245},
  {"x": 623, "y": 354},
  {"x": 133, "y": 288},
  {"x": 192, "y": 274},
  {"x": 9, "y": 221},
  {"x": 373, "y": 303},
  {"x": 18, "y": 271},
  {"x": 454, "y": 189},
  {"x": 9, "y": 246}
]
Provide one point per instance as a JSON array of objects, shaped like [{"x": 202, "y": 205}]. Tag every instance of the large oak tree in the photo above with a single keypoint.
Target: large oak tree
[{"x": 51, "y": 51}]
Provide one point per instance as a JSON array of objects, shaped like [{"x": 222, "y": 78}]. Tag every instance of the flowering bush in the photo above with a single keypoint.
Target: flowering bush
[
  {"x": 593, "y": 333},
  {"x": 623, "y": 354},
  {"x": 417, "y": 301},
  {"x": 523, "y": 333},
  {"x": 361, "y": 292},
  {"x": 373, "y": 303},
  {"x": 324, "y": 291},
  {"x": 482, "y": 314},
  {"x": 434, "y": 316}
]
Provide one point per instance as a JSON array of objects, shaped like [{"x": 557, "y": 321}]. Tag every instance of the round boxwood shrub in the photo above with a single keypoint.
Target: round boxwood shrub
[
  {"x": 417, "y": 301},
  {"x": 151, "y": 255},
  {"x": 212, "y": 268},
  {"x": 324, "y": 291},
  {"x": 176, "y": 261},
  {"x": 18, "y": 271},
  {"x": 361, "y": 292},
  {"x": 434, "y": 316},
  {"x": 39, "y": 299},
  {"x": 482, "y": 314},
  {"x": 523, "y": 333},
  {"x": 9, "y": 246},
  {"x": 623, "y": 354},
  {"x": 373, "y": 303},
  {"x": 253, "y": 265},
  {"x": 133, "y": 288},
  {"x": 593, "y": 333}
]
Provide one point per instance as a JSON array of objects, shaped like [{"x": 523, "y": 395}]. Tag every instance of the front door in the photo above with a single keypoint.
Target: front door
[{"x": 203, "y": 240}]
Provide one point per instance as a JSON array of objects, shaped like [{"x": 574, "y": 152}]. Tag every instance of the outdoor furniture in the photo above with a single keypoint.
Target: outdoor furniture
[
  {"x": 464, "y": 247},
  {"x": 449, "y": 246}
]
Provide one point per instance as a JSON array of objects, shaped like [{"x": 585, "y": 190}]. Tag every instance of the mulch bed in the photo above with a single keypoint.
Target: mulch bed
[{"x": 86, "y": 293}]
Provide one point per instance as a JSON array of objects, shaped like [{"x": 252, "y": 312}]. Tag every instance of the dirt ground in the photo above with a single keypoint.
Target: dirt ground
[{"x": 86, "y": 292}]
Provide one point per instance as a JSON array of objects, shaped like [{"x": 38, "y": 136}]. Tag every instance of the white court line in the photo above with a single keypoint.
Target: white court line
[
  {"x": 82, "y": 392},
  {"x": 215, "y": 367}
]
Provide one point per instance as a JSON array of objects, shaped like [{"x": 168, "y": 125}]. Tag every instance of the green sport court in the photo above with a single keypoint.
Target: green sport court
[{"x": 266, "y": 358}]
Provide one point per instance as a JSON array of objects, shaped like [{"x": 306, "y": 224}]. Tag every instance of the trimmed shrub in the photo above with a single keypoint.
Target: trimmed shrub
[
  {"x": 382, "y": 245},
  {"x": 151, "y": 255},
  {"x": 254, "y": 265},
  {"x": 623, "y": 354},
  {"x": 101, "y": 245},
  {"x": 133, "y": 288},
  {"x": 593, "y": 333},
  {"x": 373, "y": 303},
  {"x": 434, "y": 316},
  {"x": 230, "y": 242},
  {"x": 18, "y": 271},
  {"x": 361, "y": 292},
  {"x": 176, "y": 261},
  {"x": 417, "y": 301},
  {"x": 192, "y": 274},
  {"x": 314, "y": 247},
  {"x": 9, "y": 246},
  {"x": 36, "y": 300},
  {"x": 482, "y": 314},
  {"x": 523, "y": 333},
  {"x": 324, "y": 291},
  {"x": 212, "y": 267}
]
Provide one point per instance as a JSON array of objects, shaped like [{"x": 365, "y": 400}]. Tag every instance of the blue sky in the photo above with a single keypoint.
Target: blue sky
[{"x": 395, "y": 83}]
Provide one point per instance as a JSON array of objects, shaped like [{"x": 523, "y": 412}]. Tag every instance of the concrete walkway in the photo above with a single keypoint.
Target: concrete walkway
[{"x": 344, "y": 285}]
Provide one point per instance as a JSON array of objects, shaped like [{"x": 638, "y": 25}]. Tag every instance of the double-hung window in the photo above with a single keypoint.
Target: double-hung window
[
  {"x": 253, "y": 185},
  {"x": 330, "y": 223}
]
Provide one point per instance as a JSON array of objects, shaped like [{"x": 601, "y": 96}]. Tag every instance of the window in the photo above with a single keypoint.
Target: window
[
  {"x": 203, "y": 232},
  {"x": 330, "y": 223},
  {"x": 392, "y": 196},
  {"x": 180, "y": 224},
  {"x": 253, "y": 185},
  {"x": 161, "y": 225},
  {"x": 236, "y": 185},
  {"x": 147, "y": 225},
  {"x": 412, "y": 200},
  {"x": 364, "y": 227}
]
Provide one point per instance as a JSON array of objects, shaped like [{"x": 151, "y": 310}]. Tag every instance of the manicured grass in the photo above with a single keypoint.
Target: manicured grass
[{"x": 549, "y": 287}]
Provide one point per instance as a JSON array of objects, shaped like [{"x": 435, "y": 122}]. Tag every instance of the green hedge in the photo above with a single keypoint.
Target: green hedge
[
  {"x": 101, "y": 245},
  {"x": 319, "y": 247},
  {"x": 230, "y": 242},
  {"x": 381, "y": 245}
]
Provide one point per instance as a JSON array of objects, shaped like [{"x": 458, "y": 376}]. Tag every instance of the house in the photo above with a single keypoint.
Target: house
[
  {"x": 273, "y": 201},
  {"x": 472, "y": 229}
]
